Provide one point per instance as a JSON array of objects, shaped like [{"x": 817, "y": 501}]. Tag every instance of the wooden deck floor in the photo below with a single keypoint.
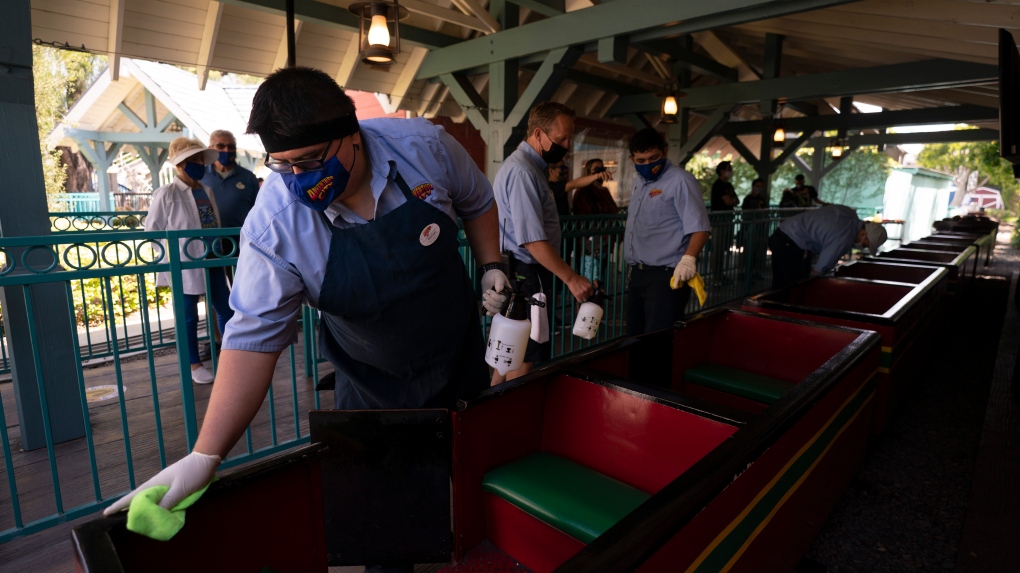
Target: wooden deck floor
[{"x": 50, "y": 550}]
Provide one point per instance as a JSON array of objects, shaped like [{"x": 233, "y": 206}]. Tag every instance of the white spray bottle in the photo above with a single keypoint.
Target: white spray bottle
[
  {"x": 508, "y": 335},
  {"x": 589, "y": 316}
]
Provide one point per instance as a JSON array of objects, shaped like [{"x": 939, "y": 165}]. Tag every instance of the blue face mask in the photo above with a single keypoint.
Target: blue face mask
[
  {"x": 651, "y": 171},
  {"x": 226, "y": 158},
  {"x": 194, "y": 170},
  {"x": 318, "y": 189},
  {"x": 598, "y": 170}
]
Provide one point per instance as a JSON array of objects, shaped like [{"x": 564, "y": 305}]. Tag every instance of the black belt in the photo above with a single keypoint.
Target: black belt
[{"x": 644, "y": 267}]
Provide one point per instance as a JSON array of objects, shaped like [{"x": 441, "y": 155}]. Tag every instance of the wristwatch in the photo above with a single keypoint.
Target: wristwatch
[{"x": 489, "y": 266}]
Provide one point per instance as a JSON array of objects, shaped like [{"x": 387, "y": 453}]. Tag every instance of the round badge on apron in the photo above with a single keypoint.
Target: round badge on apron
[
  {"x": 240, "y": 185},
  {"x": 429, "y": 235}
]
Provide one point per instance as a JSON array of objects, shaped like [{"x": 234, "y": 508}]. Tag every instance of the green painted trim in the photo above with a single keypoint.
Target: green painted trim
[{"x": 744, "y": 531}]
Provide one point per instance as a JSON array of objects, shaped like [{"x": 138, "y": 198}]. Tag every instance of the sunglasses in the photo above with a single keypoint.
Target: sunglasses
[{"x": 303, "y": 164}]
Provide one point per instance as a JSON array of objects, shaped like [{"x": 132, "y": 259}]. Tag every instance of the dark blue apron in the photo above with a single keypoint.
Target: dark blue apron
[{"x": 400, "y": 322}]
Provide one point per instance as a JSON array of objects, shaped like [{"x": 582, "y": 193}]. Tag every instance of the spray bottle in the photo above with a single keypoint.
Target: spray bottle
[
  {"x": 508, "y": 335},
  {"x": 589, "y": 316}
]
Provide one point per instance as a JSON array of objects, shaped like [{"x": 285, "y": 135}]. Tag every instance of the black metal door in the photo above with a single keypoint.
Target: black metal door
[{"x": 385, "y": 485}]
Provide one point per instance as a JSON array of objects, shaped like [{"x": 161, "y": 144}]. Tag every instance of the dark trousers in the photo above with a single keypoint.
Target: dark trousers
[
  {"x": 219, "y": 295},
  {"x": 651, "y": 304},
  {"x": 790, "y": 263},
  {"x": 536, "y": 279}
]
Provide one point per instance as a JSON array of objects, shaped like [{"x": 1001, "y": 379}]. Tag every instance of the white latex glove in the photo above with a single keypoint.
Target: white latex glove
[
  {"x": 685, "y": 269},
  {"x": 493, "y": 283},
  {"x": 184, "y": 477}
]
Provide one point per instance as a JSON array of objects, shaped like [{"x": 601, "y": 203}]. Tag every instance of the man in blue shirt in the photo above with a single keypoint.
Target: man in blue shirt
[
  {"x": 667, "y": 225},
  {"x": 528, "y": 222},
  {"x": 827, "y": 232},
  {"x": 359, "y": 219},
  {"x": 235, "y": 187}
]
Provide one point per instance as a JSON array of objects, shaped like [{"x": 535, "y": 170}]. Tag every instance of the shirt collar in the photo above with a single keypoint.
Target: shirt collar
[
  {"x": 533, "y": 155},
  {"x": 383, "y": 169}
]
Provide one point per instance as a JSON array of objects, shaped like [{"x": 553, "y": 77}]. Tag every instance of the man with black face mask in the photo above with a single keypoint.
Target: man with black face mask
[
  {"x": 667, "y": 225},
  {"x": 528, "y": 221},
  {"x": 359, "y": 220}
]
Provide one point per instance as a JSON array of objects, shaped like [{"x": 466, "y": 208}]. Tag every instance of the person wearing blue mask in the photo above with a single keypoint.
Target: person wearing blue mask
[
  {"x": 359, "y": 220},
  {"x": 235, "y": 188},
  {"x": 667, "y": 226},
  {"x": 186, "y": 203}
]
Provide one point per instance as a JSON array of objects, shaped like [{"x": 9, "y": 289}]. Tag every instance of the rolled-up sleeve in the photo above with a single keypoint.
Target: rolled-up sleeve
[
  {"x": 470, "y": 190},
  {"x": 266, "y": 299}
]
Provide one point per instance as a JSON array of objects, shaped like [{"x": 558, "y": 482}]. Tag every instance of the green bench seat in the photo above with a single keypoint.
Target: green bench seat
[
  {"x": 578, "y": 501},
  {"x": 739, "y": 382}
]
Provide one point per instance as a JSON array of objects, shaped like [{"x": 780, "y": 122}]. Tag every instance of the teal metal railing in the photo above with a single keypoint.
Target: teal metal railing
[{"x": 109, "y": 281}]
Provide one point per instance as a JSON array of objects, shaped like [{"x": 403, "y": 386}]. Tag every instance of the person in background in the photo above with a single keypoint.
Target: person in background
[
  {"x": 558, "y": 185},
  {"x": 529, "y": 223},
  {"x": 828, "y": 232},
  {"x": 359, "y": 220},
  {"x": 236, "y": 189},
  {"x": 187, "y": 203},
  {"x": 724, "y": 199},
  {"x": 595, "y": 199},
  {"x": 667, "y": 226},
  {"x": 261, "y": 181},
  {"x": 807, "y": 195},
  {"x": 754, "y": 233},
  {"x": 592, "y": 197}
]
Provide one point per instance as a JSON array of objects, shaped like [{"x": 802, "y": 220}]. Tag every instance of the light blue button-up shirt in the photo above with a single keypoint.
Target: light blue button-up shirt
[
  {"x": 285, "y": 244},
  {"x": 828, "y": 231},
  {"x": 661, "y": 217},
  {"x": 527, "y": 210}
]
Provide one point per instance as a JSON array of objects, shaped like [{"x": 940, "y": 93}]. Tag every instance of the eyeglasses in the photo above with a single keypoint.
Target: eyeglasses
[{"x": 303, "y": 164}]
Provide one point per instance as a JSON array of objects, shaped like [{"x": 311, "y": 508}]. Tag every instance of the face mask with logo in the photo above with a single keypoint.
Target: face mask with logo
[
  {"x": 651, "y": 171},
  {"x": 555, "y": 153},
  {"x": 194, "y": 170},
  {"x": 318, "y": 189},
  {"x": 226, "y": 158}
]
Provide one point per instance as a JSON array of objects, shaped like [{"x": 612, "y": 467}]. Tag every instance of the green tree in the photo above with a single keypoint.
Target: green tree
[
  {"x": 61, "y": 77},
  {"x": 972, "y": 165},
  {"x": 702, "y": 167}
]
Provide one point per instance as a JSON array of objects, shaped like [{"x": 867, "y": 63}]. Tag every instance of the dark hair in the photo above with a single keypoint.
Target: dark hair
[
  {"x": 646, "y": 140},
  {"x": 723, "y": 166},
  {"x": 545, "y": 113},
  {"x": 757, "y": 181},
  {"x": 799, "y": 177},
  {"x": 589, "y": 163},
  {"x": 292, "y": 98}
]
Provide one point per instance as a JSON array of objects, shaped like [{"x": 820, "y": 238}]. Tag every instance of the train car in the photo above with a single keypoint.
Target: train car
[
  {"x": 904, "y": 314},
  {"x": 962, "y": 266},
  {"x": 730, "y": 459},
  {"x": 981, "y": 243}
]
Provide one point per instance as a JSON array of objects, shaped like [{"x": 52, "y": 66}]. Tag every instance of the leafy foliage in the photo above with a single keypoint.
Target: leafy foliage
[
  {"x": 61, "y": 77},
  {"x": 964, "y": 160}
]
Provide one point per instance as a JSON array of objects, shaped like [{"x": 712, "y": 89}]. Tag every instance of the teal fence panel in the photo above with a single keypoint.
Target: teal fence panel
[{"x": 108, "y": 269}]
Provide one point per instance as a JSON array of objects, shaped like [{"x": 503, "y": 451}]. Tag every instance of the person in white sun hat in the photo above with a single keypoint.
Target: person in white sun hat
[{"x": 185, "y": 203}]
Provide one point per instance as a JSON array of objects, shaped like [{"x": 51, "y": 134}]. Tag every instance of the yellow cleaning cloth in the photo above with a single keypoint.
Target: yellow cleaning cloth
[
  {"x": 147, "y": 518},
  {"x": 697, "y": 283}
]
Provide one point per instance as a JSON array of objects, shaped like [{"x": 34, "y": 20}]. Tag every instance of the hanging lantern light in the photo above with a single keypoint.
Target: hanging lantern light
[
  {"x": 780, "y": 135},
  {"x": 376, "y": 47},
  {"x": 670, "y": 105},
  {"x": 837, "y": 148}
]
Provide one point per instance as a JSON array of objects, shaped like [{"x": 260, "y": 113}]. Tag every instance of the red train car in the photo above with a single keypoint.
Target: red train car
[
  {"x": 731, "y": 459},
  {"x": 903, "y": 314}
]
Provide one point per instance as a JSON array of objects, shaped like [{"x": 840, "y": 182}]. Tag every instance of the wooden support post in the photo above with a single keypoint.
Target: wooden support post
[{"x": 24, "y": 214}]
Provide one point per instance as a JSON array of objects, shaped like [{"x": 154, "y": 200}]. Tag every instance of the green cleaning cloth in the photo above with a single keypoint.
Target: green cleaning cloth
[{"x": 147, "y": 518}]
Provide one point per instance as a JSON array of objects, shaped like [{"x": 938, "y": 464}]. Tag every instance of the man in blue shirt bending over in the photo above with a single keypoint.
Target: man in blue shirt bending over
[{"x": 827, "y": 232}]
